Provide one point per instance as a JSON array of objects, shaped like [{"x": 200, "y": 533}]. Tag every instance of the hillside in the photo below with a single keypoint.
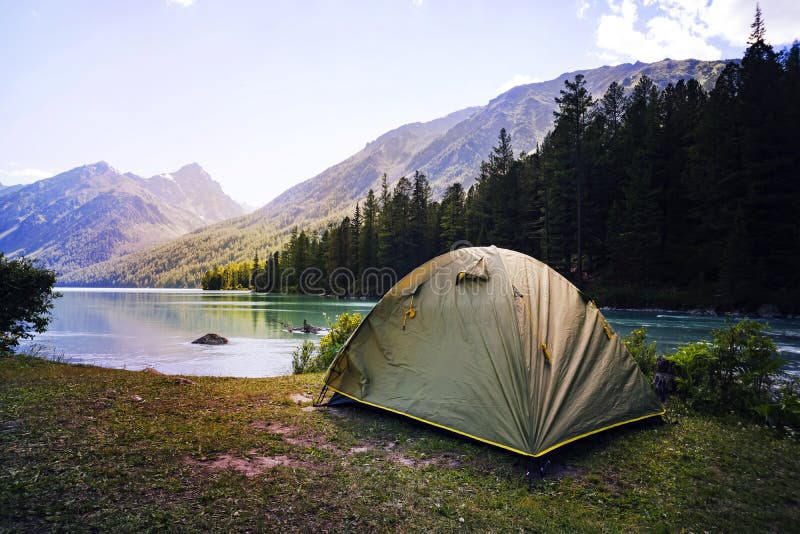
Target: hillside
[
  {"x": 447, "y": 150},
  {"x": 8, "y": 189},
  {"x": 94, "y": 213},
  {"x": 525, "y": 111}
]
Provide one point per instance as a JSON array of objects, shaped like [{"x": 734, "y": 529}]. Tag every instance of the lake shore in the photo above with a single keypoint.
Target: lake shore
[{"x": 85, "y": 447}]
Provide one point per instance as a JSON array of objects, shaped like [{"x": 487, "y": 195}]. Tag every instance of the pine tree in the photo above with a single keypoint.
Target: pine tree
[
  {"x": 402, "y": 259},
  {"x": 355, "y": 242},
  {"x": 500, "y": 158},
  {"x": 680, "y": 108},
  {"x": 452, "y": 217},
  {"x": 368, "y": 238},
  {"x": 713, "y": 185},
  {"x": 604, "y": 185},
  {"x": 386, "y": 239},
  {"x": 572, "y": 158},
  {"x": 635, "y": 238},
  {"x": 533, "y": 205},
  {"x": 418, "y": 220}
]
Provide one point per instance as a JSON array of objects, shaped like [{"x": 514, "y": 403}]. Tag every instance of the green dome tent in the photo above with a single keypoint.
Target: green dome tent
[{"x": 494, "y": 345}]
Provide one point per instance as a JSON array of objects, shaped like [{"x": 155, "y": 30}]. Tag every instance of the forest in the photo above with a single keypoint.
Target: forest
[{"x": 659, "y": 197}]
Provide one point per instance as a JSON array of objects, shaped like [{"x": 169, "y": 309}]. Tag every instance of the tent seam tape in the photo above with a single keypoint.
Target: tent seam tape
[
  {"x": 431, "y": 423},
  {"x": 549, "y": 449},
  {"x": 570, "y": 440}
]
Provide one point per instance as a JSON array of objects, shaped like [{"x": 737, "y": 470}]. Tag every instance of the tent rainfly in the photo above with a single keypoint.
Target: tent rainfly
[{"x": 494, "y": 345}]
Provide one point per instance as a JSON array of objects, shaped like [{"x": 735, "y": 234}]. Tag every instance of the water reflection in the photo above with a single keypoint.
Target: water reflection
[{"x": 150, "y": 328}]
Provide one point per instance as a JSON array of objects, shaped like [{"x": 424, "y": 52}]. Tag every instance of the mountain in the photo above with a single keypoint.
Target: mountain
[
  {"x": 525, "y": 111},
  {"x": 350, "y": 180},
  {"x": 447, "y": 150},
  {"x": 191, "y": 189},
  {"x": 8, "y": 189},
  {"x": 94, "y": 213}
]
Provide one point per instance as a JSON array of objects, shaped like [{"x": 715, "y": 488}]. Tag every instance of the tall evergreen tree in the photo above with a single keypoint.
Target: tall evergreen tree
[
  {"x": 572, "y": 158},
  {"x": 770, "y": 237},
  {"x": 418, "y": 237},
  {"x": 636, "y": 218},
  {"x": 355, "y": 242},
  {"x": 452, "y": 218},
  {"x": 368, "y": 238}
]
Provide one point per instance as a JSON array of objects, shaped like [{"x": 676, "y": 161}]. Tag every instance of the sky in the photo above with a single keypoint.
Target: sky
[{"x": 266, "y": 94}]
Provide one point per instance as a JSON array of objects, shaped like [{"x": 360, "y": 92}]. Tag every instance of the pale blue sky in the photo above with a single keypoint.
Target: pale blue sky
[{"x": 267, "y": 94}]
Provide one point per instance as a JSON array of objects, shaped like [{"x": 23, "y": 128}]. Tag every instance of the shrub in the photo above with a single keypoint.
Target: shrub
[
  {"x": 783, "y": 412},
  {"x": 310, "y": 358},
  {"x": 331, "y": 343},
  {"x": 26, "y": 298},
  {"x": 740, "y": 371},
  {"x": 644, "y": 354},
  {"x": 303, "y": 356},
  {"x": 694, "y": 363},
  {"x": 747, "y": 361}
]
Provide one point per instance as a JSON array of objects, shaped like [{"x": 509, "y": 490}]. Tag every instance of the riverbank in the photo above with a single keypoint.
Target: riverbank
[
  {"x": 693, "y": 301},
  {"x": 91, "y": 448}
]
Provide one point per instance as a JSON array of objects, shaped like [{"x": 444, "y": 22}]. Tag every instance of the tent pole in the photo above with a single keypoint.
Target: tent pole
[{"x": 321, "y": 396}]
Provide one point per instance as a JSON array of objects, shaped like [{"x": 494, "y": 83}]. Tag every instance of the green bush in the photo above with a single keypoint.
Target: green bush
[
  {"x": 694, "y": 363},
  {"x": 26, "y": 298},
  {"x": 739, "y": 371},
  {"x": 303, "y": 356},
  {"x": 310, "y": 358},
  {"x": 783, "y": 412},
  {"x": 644, "y": 354},
  {"x": 747, "y": 362}
]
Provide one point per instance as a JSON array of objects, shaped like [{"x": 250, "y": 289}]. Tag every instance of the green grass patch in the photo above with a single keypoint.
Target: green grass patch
[{"x": 79, "y": 450}]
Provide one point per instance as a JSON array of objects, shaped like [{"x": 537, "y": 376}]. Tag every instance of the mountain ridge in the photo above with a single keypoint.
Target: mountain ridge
[
  {"x": 93, "y": 213},
  {"x": 452, "y": 151}
]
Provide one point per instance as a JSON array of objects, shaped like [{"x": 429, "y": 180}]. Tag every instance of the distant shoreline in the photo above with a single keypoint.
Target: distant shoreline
[{"x": 694, "y": 310}]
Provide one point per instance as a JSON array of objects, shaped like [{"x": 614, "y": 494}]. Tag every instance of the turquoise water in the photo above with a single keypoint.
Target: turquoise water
[
  {"x": 671, "y": 329},
  {"x": 134, "y": 329}
]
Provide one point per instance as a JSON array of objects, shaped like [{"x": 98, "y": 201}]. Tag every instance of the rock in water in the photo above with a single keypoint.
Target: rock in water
[{"x": 211, "y": 339}]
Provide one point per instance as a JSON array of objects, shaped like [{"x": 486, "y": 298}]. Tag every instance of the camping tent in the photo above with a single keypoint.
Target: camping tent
[{"x": 494, "y": 345}]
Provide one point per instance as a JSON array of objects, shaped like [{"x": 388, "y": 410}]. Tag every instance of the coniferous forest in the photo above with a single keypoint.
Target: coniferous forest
[{"x": 669, "y": 197}]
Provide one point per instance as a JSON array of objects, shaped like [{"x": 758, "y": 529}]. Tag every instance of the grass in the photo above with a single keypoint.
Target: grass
[{"x": 79, "y": 451}]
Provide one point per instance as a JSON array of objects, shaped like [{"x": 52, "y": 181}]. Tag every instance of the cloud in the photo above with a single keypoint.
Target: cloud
[
  {"x": 730, "y": 20},
  {"x": 681, "y": 29},
  {"x": 583, "y": 6},
  {"x": 417, "y": 3},
  {"x": 517, "y": 79},
  {"x": 23, "y": 176},
  {"x": 182, "y": 3},
  {"x": 619, "y": 37}
]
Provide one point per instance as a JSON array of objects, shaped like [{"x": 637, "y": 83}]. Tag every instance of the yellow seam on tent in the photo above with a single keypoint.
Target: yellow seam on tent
[
  {"x": 512, "y": 449},
  {"x": 607, "y": 329},
  {"x": 546, "y": 353},
  {"x": 570, "y": 440},
  {"x": 410, "y": 313}
]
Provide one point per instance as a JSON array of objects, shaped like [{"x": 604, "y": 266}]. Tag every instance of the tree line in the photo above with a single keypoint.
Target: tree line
[{"x": 670, "y": 187}]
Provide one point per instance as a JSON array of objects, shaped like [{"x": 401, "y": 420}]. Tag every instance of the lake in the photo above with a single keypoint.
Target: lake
[{"x": 138, "y": 328}]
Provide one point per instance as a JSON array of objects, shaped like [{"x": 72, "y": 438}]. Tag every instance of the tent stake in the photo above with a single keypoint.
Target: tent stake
[
  {"x": 321, "y": 397},
  {"x": 544, "y": 463}
]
